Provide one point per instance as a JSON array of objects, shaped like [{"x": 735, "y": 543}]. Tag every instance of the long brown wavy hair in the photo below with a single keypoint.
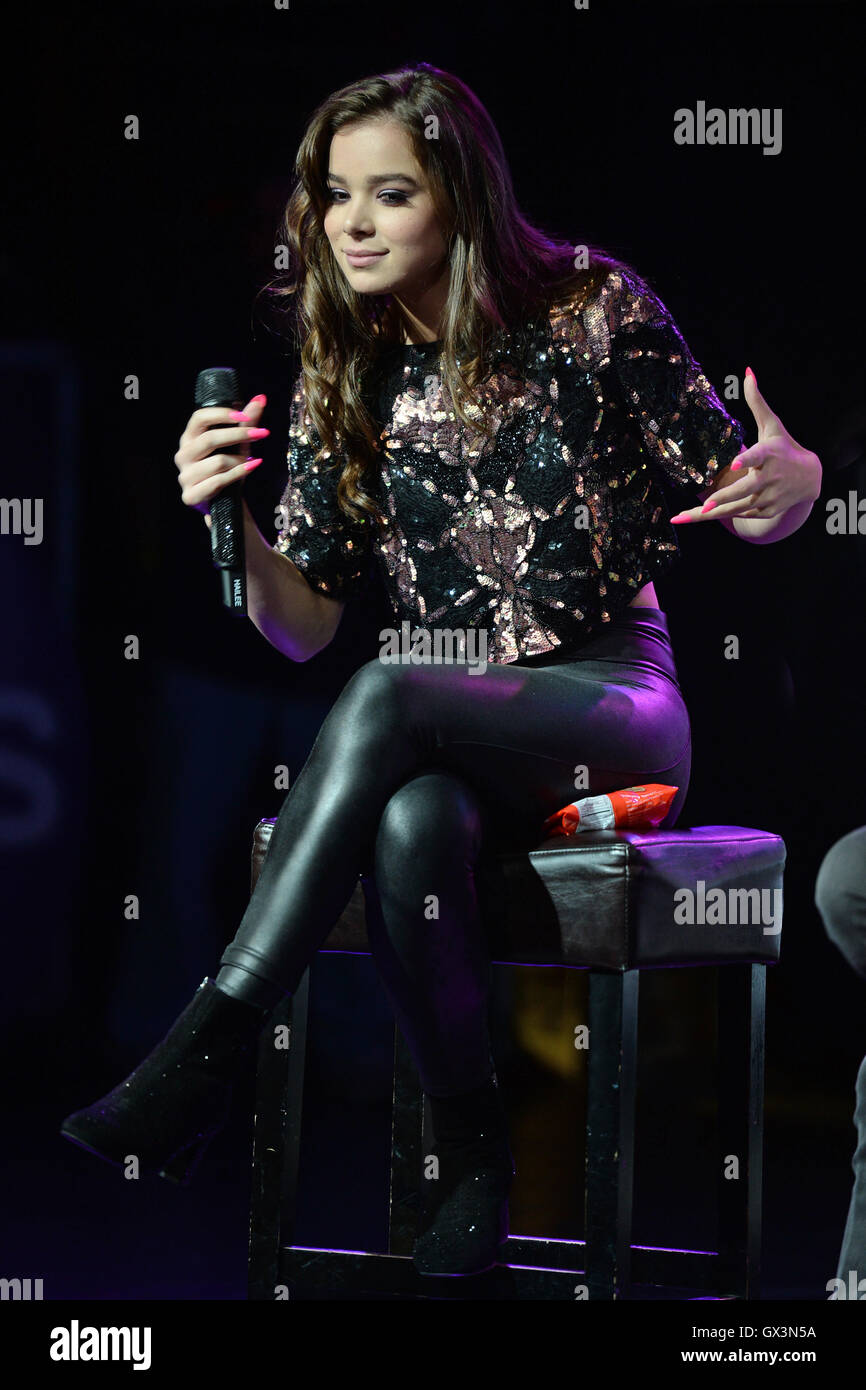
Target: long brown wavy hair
[{"x": 504, "y": 272}]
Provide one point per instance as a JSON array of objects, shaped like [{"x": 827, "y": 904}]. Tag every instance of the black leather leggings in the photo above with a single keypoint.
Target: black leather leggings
[{"x": 414, "y": 771}]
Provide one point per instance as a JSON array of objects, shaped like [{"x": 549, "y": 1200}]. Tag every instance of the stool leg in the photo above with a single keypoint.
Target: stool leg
[
  {"x": 406, "y": 1122},
  {"x": 740, "y": 1081},
  {"x": 613, "y": 1001},
  {"x": 277, "y": 1140}
]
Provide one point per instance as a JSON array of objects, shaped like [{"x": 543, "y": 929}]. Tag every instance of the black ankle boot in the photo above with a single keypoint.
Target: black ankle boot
[
  {"x": 168, "y": 1110},
  {"x": 464, "y": 1212}
]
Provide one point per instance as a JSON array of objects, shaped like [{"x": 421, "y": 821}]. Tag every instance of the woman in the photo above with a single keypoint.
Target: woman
[{"x": 486, "y": 416}]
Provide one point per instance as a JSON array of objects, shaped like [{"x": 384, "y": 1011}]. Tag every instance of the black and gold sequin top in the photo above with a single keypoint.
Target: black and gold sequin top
[{"x": 545, "y": 530}]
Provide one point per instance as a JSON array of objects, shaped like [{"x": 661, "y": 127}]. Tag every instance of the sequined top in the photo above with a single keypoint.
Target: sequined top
[{"x": 543, "y": 532}]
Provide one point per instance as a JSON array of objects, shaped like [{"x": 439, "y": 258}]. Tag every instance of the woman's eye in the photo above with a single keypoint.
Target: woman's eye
[{"x": 388, "y": 193}]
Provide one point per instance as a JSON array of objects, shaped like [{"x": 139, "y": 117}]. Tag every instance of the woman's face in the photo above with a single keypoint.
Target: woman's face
[{"x": 380, "y": 202}]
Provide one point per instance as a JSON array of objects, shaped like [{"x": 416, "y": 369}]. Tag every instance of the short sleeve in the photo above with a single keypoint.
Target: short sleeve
[
  {"x": 329, "y": 549},
  {"x": 684, "y": 426}
]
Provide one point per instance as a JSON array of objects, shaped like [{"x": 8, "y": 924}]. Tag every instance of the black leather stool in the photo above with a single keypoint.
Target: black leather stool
[{"x": 607, "y": 902}]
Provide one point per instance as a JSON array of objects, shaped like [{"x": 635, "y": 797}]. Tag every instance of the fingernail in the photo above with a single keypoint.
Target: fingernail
[
  {"x": 251, "y": 464},
  {"x": 750, "y": 373},
  {"x": 737, "y": 463},
  {"x": 257, "y": 433},
  {"x": 680, "y": 518},
  {"x": 708, "y": 506},
  {"x": 259, "y": 400},
  {"x": 239, "y": 415}
]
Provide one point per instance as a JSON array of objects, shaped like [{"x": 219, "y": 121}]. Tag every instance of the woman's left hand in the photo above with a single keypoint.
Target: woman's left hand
[{"x": 767, "y": 479}]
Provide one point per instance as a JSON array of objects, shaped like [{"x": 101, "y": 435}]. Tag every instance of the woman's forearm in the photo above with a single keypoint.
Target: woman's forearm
[{"x": 294, "y": 618}]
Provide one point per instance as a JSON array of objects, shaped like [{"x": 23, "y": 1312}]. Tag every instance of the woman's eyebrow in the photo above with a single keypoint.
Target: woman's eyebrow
[{"x": 380, "y": 178}]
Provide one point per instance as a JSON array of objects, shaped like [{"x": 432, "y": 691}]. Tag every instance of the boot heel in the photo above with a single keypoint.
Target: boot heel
[{"x": 182, "y": 1165}]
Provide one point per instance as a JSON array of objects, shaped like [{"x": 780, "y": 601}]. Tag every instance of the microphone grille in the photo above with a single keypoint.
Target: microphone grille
[{"x": 217, "y": 386}]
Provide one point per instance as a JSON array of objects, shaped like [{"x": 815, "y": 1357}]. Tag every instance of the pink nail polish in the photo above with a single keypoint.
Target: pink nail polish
[
  {"x": 239, "y": 415},
  {"x": 708, "y": 506},
  {"x": 257, "y": 433},
  {"x": 750, "y": 373},
  {"x": 259, "y": 400},
  {"x": 251, "y": 464}
]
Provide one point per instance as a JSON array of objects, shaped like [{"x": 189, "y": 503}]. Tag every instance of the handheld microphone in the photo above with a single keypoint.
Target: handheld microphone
[{"x": 219, "y": 386}]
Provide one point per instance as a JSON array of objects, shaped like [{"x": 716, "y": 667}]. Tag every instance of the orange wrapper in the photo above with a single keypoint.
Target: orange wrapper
[{"x": 636, "y": 808}]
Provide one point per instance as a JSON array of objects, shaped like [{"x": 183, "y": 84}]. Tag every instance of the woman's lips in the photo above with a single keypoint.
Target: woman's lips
[{"x": 364, "y": 257}]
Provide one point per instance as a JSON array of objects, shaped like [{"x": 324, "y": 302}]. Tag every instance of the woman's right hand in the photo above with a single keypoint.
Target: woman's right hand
[{"x": 202, "y": 473}]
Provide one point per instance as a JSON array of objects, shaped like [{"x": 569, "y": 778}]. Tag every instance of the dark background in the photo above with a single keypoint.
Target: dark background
[{"x": 146, "y": 777}]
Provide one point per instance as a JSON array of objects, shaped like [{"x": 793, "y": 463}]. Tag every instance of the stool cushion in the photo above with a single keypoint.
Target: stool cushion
[{"x": 616, "y": 899}]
